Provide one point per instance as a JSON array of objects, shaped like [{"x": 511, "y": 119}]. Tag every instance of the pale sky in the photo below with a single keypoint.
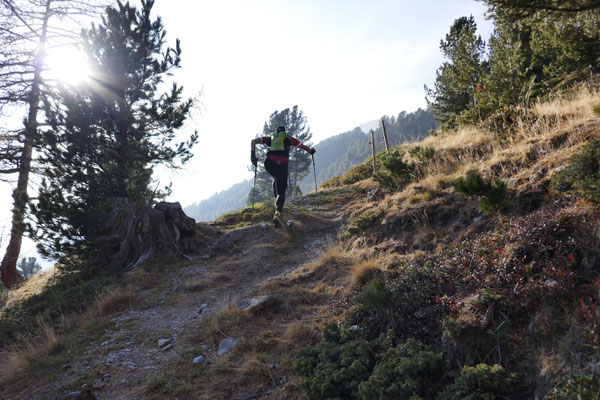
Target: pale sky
[{"x": 343, "y": 63}]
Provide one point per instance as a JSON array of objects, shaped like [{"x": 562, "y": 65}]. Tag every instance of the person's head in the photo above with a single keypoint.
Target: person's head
[{"x": 280, "y": 129}]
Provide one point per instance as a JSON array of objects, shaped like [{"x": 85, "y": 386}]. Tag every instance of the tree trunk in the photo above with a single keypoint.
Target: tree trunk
[
  {"x": 8, "y": 268},
  {"x": 135, "y": 233}
]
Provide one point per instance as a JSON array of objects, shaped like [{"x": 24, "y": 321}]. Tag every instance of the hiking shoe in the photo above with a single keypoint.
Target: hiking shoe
[{"x": 276, "y": 219}]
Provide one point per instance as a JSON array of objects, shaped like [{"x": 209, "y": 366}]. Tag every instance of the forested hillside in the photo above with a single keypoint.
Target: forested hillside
[
  {"x": 339, "y": 153},
  {"x": 220, "y": 203}
]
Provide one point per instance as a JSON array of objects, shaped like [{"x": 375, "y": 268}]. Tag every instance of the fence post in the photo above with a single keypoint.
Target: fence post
[
  {"x": 373, "y": 147},
  {"x": 387, "y": 146}
]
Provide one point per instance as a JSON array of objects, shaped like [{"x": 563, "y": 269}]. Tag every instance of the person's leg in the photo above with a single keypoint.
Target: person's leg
[
  {"x": 271, "y": 168},
  {"x": 281, "y": 183}
]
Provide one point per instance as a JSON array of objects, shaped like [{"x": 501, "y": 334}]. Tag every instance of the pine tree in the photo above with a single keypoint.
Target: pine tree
[
  {"x": 29, "y": 29},
  {"x": 457, "y": 79},
  {"x": 105, "y": 137},
  {"x": 28, "y": 267},
  {"x": 518, "y": 9},
  {"x": 537, "y": 47},
  {"x": 512, "y": 72}
]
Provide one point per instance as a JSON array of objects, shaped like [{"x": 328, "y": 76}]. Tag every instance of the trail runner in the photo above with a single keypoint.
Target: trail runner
[{"x": 276, "y": 163}]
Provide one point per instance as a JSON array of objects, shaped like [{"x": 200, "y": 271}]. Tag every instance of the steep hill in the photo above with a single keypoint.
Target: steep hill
[{"x": 391, "y": 287}]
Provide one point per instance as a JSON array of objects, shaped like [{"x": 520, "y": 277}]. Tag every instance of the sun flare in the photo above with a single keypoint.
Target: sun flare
[{"x": 67, "y": 65}]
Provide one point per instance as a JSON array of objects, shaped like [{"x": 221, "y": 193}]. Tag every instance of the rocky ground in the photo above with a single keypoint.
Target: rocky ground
[{"x": 167, "y": 304}]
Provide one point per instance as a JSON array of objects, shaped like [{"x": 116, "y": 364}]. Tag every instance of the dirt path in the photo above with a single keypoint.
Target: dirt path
[{"x": 121, "y": 362}]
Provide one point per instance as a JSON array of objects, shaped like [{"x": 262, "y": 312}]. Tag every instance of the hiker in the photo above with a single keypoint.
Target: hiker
[{"x": 276, "y": 162}]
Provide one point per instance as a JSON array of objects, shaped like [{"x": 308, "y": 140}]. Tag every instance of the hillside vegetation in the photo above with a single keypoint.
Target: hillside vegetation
[{"x": 465, "y": 268}]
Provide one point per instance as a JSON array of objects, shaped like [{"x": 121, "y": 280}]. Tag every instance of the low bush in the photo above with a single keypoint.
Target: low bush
[
  {"x": 357, "y": 173},
  {"x": 394, "y": 163},
  {"x": 578, "y": 387},
  {"x": 481, "y": 382},
  {"x": 344, "y": 366},
  {"x": 335, "y": 367},
  {"x": 422, "y": 154},
  {"x": 409, "y": 371},
  {"x": 582, "y": 175},
  {"x": 375, "y": 295},
  {"x": 492, "y": 196}
]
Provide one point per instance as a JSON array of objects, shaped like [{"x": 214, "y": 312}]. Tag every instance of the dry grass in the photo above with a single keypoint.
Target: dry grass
[
  {"x": 364, "y": 270},
  {"x": 465, "y": 138},
  {"x": 298, "y": 334},
  {"x": 524, "y": 157},
  {"x": 328, "y": 267},
  {"x": 30, "y": 287},
  {"x": 17, "y": 359},
  {"x": 255, "y": 368},
  {"x": 113, "y": 300},
  {"x": 228, "y": 322}
]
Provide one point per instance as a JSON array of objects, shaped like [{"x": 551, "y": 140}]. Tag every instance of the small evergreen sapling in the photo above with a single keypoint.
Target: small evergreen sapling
[{"x": 492, "y": 196}]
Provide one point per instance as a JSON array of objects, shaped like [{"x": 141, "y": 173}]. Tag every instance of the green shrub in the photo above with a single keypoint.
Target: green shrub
[
  {"x": 367, "y": 219},
  {"x": 422, "y": 154},
  {"x": 411, "y": 370},
  {"x": 335, "y": 367},
  {"x": 481, "y": 382},
  {"x": 386, "y": 180},
  {"x": 336, "y": 181},
  {"x": 492, "y": 196},
  {"x": 375, "y": 295},
  {"x": 578, "y": 388},
  {"x": 357, "y": 173},
  {"x": 362, "y": 221},
  {"x": 582, "y": 175},
  {"x": 393, "y": 162},
  {"x": 393, "y": 172},
  {"x": 597, "y": 109}
]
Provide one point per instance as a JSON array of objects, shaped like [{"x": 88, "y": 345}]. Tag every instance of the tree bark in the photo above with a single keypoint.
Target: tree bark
[
  {"x": 8, "y": 268},
  {"x": 136, "y": 233}
]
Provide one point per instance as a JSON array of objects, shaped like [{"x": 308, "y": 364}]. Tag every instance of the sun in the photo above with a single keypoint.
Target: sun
[{"x": 67, "y": 65}]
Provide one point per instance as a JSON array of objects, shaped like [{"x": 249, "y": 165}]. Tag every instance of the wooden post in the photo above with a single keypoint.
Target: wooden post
[
  {"x": 387, "y": 146},
  {"x": 373, "y": 147}
]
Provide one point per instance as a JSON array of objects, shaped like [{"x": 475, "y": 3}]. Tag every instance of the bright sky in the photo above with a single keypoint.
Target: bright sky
[{"x": 343, "y": 63}]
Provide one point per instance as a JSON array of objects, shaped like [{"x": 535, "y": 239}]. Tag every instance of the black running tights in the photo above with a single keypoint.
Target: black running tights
[{"x": 280, "y": 175}]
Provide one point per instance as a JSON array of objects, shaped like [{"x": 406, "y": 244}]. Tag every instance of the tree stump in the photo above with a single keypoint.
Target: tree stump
[{"x": 136, "y": 232}]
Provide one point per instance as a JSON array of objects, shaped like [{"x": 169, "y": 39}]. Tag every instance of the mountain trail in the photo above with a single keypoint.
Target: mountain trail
[{"x": 168, "y": 304}]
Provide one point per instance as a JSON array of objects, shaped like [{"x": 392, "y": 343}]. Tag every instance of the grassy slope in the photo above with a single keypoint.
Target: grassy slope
[{"x": 506, "y": 288}]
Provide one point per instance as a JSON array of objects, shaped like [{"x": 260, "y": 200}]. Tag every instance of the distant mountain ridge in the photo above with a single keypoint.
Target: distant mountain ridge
[
  {"x": 334, "y": 156},
  {"x": 220, "y": 203},
  {"x": 367, "y": 126},
  {"x": 339, "y": 153}
]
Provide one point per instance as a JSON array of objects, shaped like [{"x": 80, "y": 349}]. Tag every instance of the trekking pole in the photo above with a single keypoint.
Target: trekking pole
[
  {"x": 315, "y": 173},
  {"x": 253, "y": 196}
]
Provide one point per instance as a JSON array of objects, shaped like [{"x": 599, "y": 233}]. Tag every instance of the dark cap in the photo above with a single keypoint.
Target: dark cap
[{"x": 280, "y": 129}]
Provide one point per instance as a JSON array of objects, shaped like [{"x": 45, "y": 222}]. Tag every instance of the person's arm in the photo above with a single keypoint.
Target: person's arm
[
  {"x": 297, "y": 143},
  {"x": 254, "y": 142},
  {"x": 309, "y": 150}
]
